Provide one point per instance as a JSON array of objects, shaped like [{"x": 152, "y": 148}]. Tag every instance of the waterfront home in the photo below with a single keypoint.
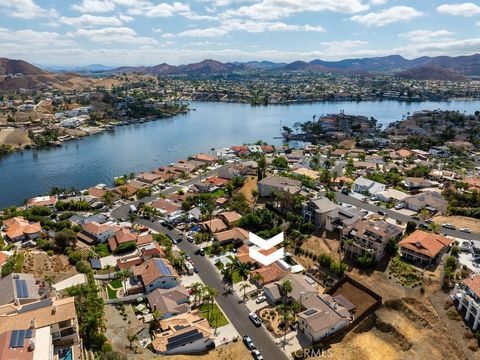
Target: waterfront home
[
  {"x": 20, "y": 229},
  {"x": 57, "y": 317},
  {"x": 430, "y": 200},
  {"x": 18, "y": 288},
  {"x": 187, "y": 333},
  {"x": 125, "y": 191},
  {"x": 274, "y": 184},
  {"x": 205, "y": 158},
  {"x": 368, "y": 236},
  {"x": 324, "y": 316},
  {"x": 149, "y": 178},
  {"x": 169, "y": 302},
  {"x": 48, "y": 201},
  {"x": 367, "y": 187},
  {"x": 424, "y": 247},
  {"x": 156, "y": 273},
  {"x": 466, "y": 297}
]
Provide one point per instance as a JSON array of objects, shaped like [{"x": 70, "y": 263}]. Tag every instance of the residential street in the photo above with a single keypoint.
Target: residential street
[{"x": 398, "y": 216}]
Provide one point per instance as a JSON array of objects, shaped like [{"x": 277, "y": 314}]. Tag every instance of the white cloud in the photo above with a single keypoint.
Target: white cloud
[
  {"x": 387, "y": 16},
  {"x": 247, "y": 26},
  {"x": 426, "y": 35},
  {"x": 346, "y": 45},
  {"x": 275, "y": 9},
  {"x": 25, "y": 9},
  {"x": 92, "y": 20},
  {"x": 95, "y": 6},
  {"x": 34, "y": 39},
  {"x": 378, "y": 2},
  {"x": 114, "y": 35},
  {"x": 464, "y": 9}
]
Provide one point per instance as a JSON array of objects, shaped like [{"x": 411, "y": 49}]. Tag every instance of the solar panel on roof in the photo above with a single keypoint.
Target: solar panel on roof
[
  {"x": 310, "y": 312},
  {"x": 17, "y": 338},
  {"x": 21, "y": 286},
  {"x": 29, "y": 333},
  {"x": 163, "y": 267},
  {"x": 183, "y": 339},
  {"x": 36, "y": 305}
]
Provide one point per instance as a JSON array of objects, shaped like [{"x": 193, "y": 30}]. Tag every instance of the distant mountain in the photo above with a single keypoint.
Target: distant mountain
[
  {"x": 265, "y": 65},
  {"x": 466, "y": 65},
  {"x": 375, "y": 64},
  {"x": 431, "y": 72},
  {"x": 9, "y": 66}
]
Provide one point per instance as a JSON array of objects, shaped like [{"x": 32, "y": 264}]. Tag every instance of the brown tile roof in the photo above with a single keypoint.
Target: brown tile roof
[
  {"x": 473, "y": 282},
  {"x": 214, "y": 225},
  {"x": 152, "y": 270},
  {"x": 165, "y": 206},
  {"x": 231, "y": 217},
  {"x": 3, "y": 258},
  {"x": 269, "y": 273},
  {"x": 42, "y": 201},
  {"x": 18, "y": 226},
  {"x": 425, "y": 243},
  {"x": 96, "y": 192}
]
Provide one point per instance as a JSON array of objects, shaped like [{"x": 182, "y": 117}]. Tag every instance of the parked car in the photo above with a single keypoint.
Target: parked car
[
  {"x": 399, "y": 206},
  {"x": 449, "y": 226},
  {"x": 466, "y": 230},
  {"x": 201, "y": 252},
  {"x": 260, "y": 299},
  {"x": 190, "y": 238},
  {"x": 257, "y": 355},
  {"x": 381, "y": 213},
  {"x": 255, "y": 319},
  {"x": 195, "y": 270},
  {"x": 248, "y": 342},
  {"x": 188, "y": 258}
]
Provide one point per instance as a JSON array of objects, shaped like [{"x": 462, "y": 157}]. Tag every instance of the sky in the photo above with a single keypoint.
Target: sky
[{"x": 150, "y": 32}]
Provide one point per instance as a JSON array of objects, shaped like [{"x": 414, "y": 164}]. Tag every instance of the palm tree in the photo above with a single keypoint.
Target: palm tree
[
  {"x": 197, "y": 289},
  {"x": 285, "y": 289},
  {"x": 434, "y": 227},
  {"x": 49, "y": 280},
  {"x": 124, "y": 275},
  {"x": 108, "y": 197},
  {"x": 131, "y": 339},
  {"x": 256, "y": 278},
  {"x": 124, "y": 192},
  {"x": 262, "y": 167},
  {"x": 244, "y": 287}
]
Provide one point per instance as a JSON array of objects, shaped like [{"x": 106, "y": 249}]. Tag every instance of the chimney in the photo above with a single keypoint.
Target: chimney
[
  {"x": 54, "y": 309},
  {"x": 32, "y": 323},
  {"x": 31, "y": 346}
]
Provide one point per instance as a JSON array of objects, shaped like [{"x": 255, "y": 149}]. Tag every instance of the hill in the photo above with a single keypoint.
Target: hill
[
  {"x": 9, "y": 66},
  {"x": 431, "y": 72}
]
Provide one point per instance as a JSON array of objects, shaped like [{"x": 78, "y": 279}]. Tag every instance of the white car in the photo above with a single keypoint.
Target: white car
[
  {"x": 255, "y": 319},
  {"x": 260, "y": 299},
  {"x": 399, "y": 206},
  {"x": 257, "y": 355},
  {"x": 466, "y": 230}
]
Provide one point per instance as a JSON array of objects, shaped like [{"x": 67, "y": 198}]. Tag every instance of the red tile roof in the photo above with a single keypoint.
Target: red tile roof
[{"x": 425, "y": 243}]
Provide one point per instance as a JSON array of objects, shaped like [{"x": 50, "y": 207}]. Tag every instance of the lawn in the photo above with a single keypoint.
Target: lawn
[
  {"x": 236, "y": 278},
  {"x": 19, "y": 262},
  {"x": 102, "y": 250},
  {"x": 115, "y": 284},
  {"x": 2, "y": 243},
  {"x": 215, "y": 317},
  {"x": 112, "y": 294}
]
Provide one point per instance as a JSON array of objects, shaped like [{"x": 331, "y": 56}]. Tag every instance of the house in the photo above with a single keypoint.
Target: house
[
  {"x": 342, "y": 217},
  {"x": 430, "y": 200},
  {"x": 4, "y": 256},
  {"x": 26, "y": 344},
  {"x": 187, "y": 333},
  {"x": 324, "y": 316},
  {"x": 122, "y": 236},
  {"x": 18, "y": 288},
  {"x": 205, "y": 158},
  {"x": 274, "y": 184},
  {"x": 56, "y": 315},
  {"x": 301, "y": 285},
  {"x": 95, "y": 232},
  {"x": 440, "y": 151},
  {"x": 312, "y": 174},
  {"x": 166, "y": 207},
  {"x": 156, "y": 273},
  {"x": 19, "y": 229},
  {"x": 425, "y": 247},
  {"x": 169, "y": 302},
  {"x": 316, "y": 210},
  {"x": 268, "y": 274},
  {"x": 370, "y": 236},
  {"x": 368, "y": 187},
  {"x": 235, "y": 235},
  {"x": 466, "y": 297},
  {"x": 391, "y": 195},
  {"x": 214, "y": 225},
  {"x": 48, "y": 201},
  {"x": 413, "y": 183},
  {"x": 231, "y": 218}
]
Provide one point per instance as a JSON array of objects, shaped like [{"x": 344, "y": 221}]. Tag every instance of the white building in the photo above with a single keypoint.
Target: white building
[
  {"x": 468, "y": 296},
  {"x": 365, "y": 186}
]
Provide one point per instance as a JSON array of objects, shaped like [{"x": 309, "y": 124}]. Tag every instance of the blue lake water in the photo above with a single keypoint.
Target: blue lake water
[{"x": 142, "y": 147}]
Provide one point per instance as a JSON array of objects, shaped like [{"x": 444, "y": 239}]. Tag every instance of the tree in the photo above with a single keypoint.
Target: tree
[
  {"x": 49, "y": 280},
  {"x": 244, "y": 287},
  {"x": 392, "y": 246},
  {"x": 124, "y": 192},
  {"x": 108, "y": 197},
  {"x": 196, "y": 289},
  {"x": 124, "y": 275},
  {"x": 65, "y": 238},
  {"x": 280, "y": 162},
  {"x": 411, "y": 227},
  {"x": 285, "y": 289},
  {"x": 256, "y": 278},
  {"x": 131, "y": 339},
  {"x": 262, "y": 167}
]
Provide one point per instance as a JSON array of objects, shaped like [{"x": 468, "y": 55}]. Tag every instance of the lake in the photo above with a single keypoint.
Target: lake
[{"x": 97, "y": 159}]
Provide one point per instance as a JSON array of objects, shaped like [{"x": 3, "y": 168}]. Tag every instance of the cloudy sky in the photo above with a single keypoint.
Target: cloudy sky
[{"x": 148, "y": 32}]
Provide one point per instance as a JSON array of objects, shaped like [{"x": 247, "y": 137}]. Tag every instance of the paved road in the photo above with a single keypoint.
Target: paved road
[
  {"x": 231, "y": 304},
  {"x": 401, "y": 217},
  {"x": 121, "y": 212}
]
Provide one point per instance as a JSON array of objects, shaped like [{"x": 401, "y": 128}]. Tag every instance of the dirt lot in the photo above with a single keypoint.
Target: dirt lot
[
  {"x": 40, "y": 264},
  {"x": 319, "y": 245},
  {"x": 249, "y": 185},
  {"x": 459, "y": 222},
  {"x": 356, "y": 296},
  {"x": 15, "y": 137},
  {"x": 228, "y": 352}
]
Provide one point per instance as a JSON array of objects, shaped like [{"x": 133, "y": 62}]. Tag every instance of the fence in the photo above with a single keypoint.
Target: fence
[
  {"x": 128, "y": 298},
  {"x": 110, "y": 276}
]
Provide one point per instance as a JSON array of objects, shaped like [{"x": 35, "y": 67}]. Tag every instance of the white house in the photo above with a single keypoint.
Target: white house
[
  {"x": 365, "y": 186},
  {"x": 156, "y": 273},
  {"x": 468, "y": 296}
]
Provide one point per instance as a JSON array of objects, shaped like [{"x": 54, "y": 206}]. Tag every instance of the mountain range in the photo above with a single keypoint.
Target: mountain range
[{"x": 423, "y": 68}]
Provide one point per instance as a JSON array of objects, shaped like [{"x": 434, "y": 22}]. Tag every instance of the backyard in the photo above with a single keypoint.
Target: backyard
[
  {"x": 405, "y": 274},
  {"x": 113, "y": 287},
  {"x": 213, "y": 314}
]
